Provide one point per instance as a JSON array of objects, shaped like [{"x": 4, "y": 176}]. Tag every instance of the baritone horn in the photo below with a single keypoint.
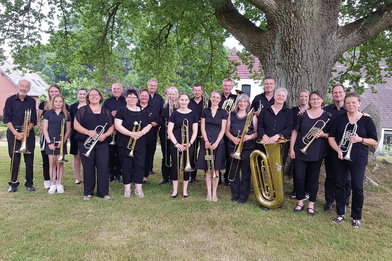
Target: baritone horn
[
  {"x": 132, "y": 142},
  {"x": 90, "y": 143},
  {"x": 267, "y": 174},
  {"x": 310, "y": 136},
  {"x": 345, "y": 144},
  {"x": 26, "y": 132},
  {"x": 62, "y": 159}
]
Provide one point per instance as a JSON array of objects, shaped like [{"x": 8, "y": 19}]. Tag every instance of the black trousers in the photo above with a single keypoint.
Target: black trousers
[
  {"x": 330, "y": 180},
  {"x": 174, "y": 171},
  {"x": 240, "y": 187},
  {"x": 114, "y": 162},
  {"x": 166, "y": 159},
  {"x": 28, "y": 158},
  {"x": 306, "y": 178},
  {"x": 132, "y": 167},
  {"x": 149, "y": 162},
  {"x": 343, "y": 167},
  {"x": 196, "y": 149},
  {"x": 95, "y": 169},
  {"x": 45, "y": 165},
  {"x": 228, "y": 158}
]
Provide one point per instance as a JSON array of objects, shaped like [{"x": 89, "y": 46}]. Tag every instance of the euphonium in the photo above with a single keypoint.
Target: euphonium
[
  {"x": 185, "y": 138},
  {"x": 132, "y": 142},
  {"x": 267, "y": 175},
  {"x": 209, "y": 157},
  {"x": 238, "y": 93},
  {"x": 228, "y": 105},
  {"x": 249, "y": 119},
  {"x": 345, "y": 144},
  {"x": 90, "y": 143},
  {"x": 26, "y": 132},
  {"x": 62, "y": 143},
  {"x": 308, "y": 139}
]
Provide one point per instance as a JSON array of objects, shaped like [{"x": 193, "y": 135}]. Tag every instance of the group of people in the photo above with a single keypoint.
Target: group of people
[{"x": 214, "y": 133}]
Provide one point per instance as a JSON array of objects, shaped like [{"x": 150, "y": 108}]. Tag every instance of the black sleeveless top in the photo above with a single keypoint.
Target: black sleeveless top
[{"x": 236, "y": 128}]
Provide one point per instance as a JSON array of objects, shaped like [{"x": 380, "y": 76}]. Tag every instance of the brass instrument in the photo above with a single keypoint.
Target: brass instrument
[
  {"x": 14, "y": 178},
  {"x": 113, "y": 142},
  {"x": 310, "y": 136},
  {"x": 261, "y": 106},
  {"x": 238, "y": 93},
  {"x": 228, "y": 105},
  {"x": 231, "y": 175},
  {"x": 90, "y": 143},
  {"x": 249, "y": 119},
  {"x": 345, "y": 144},
  {"x": 62, "y": 159},
  {"x": 132, "y": 142},
  {"x": 168, "y": 160},
  {"x": 42, "y": 141},
  {"x": 185, "y": 139},
  {"x": 206, "y": 99},
  {"x": 209, "y": 157},
  {"x": 26, "y": 132},
  {"x": 267, "y": 174}
]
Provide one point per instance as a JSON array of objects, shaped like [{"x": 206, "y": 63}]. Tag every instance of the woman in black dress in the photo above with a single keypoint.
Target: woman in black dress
[
  {"x": 307, "y": 166},
  {"x": 132, "y": 122},
  {"x": 213, "y": 127},
  {"x": 176, "y": 121},
  {"x": 167, "y": 109},
  {"x": 240, "y": 169},
  {"x": 88, "y": 121},
  {"x": 82, "y": 93},
  {"x": 364, "y": 135},
  {"x": 53, "y": 119}
]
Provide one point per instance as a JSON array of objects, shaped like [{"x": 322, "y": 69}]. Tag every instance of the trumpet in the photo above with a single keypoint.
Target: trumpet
[
  {"x": 113, "y": 142},
  {"x": 310, "y": 136},
  {"x": 185, "y": 139},
  {"x": 209, "y": 157},
  {"x": 345, "y": 144},
  {"x": 132, "y": 142},
  {"x": 62, "y": 159},
  {"x": 90, "y": 143},
  {"x": 26, "y": 132}
]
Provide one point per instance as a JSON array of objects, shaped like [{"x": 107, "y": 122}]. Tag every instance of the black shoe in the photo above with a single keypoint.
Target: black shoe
[
  {"x": 30, "y": 189},
  {"x": 356, "y": 223},
  {"x": 12, "y": 189},
  {"x": 328, "y": 207},
  {"x": 173, "y": 196},
  {"x": 292, "y": 195},
  {"x": 234, "y": 198},
  {"x": 298, "y": 208},
  {"x": 311, "y": 211},
  {"x": 191, "y": 180},
  {"x": 227, "y": 182},
  {"x": 163, "y": 181},
  {"x": 241, "y": 201},
  {"x": 146, "y": 182},
  {"x": 119, "y": 180},
  {"x": 264, "y": 208},
  {"x": 184, "y": 196}
]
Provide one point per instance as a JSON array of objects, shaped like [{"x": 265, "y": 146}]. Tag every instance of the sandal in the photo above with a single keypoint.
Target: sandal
[
  {"x": 87, "y": 197},
  {"x": 298, "y": 208},
  {"x": 356, "y": 223},
  {"x": 107, "y": 197},
  {"x": 139, "y": 193},
  {"x": 338, "y": 219},
  {"x": 311, "y": 211},
  {"x": 127, "y": 193}
]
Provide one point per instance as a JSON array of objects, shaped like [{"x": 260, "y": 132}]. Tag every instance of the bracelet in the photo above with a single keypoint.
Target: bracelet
[
  {"x": 363, "y": 141},
  {"x": 175, "y": 144}
]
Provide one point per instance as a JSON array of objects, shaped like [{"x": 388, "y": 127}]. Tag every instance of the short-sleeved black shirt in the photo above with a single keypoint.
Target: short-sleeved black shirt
[
  {"x": 232, "y": 96},
  {"x": 129, "y": 118},
  {"x": 89, "y": 120},
  {"x": 178, "y": 118},
  {"x": 156, "y": 101},
  {"x": 41, "y": 106},
  {"x": 196, "y": 107},
  {"x": 153, "y": 116},
  {"x": 318, "y": 148},
  {"x": 163, "y": 121},
  {"x": 365, "y": 129},
  {"x": 14, "y": 110},
  {"x": 114, "y": 104},
  {"x": 54, "y": 123},
  {"x": 236, "y": 127},
  {"x": 271, "y": 124},
  {"x": 214, "y": 124},
  {"x": 261, "y": 102}
]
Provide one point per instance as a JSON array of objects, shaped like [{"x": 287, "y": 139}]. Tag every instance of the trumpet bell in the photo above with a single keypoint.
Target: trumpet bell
[{"x": 62, "y": 159}]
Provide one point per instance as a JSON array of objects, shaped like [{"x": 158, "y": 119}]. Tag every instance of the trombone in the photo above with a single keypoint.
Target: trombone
[
  {"x": 308, "y": 139},
  {"x": 26, "y": 132},
  {"x": 62, "y": 159},
  {"x": 132, "y": 142},
  {"x": 345, "y": 144},
  {"x": 90, "y": 143}
]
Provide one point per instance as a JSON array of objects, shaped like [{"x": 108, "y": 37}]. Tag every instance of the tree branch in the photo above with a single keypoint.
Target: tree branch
[
  {"x": 363, "y": 29},
  {"x": 268, "y": 6}
]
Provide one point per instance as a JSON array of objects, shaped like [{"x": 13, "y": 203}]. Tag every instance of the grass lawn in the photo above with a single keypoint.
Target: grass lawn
[{"x": 39, "y": 226}]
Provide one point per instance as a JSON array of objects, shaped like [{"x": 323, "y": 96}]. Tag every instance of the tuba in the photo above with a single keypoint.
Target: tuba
[
  {"x": 345, "y": 144},
  {"x": 267, "y": 174},
  {"x": 62, "y": 159},
  {"x": 90, "y": 143},
  {"x": 132, "y": 142},
  {"x": 26, "y": 132},
  {"x": 310, "y": 136}
]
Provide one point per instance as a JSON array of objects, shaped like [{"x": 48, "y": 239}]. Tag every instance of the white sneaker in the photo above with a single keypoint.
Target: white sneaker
[
  {"x": 60, "y": 188},
  {"x": 46, "y": 184},
  {"x": 52, "y": 189}
]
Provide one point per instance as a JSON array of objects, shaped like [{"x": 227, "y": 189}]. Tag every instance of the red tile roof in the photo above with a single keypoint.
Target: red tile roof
[{"x": 242, "y": 69}]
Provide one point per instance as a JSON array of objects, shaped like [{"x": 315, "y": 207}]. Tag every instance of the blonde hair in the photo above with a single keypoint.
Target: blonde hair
[
  {"x": 178, "y": 100},
  {"x": 243, "y": 96},
  {"x": 168, "y": 89},
  {"x": 48, "y": 102},
  {"x": 63, "y": 109}
]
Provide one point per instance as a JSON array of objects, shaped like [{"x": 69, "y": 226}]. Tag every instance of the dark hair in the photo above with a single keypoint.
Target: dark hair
[
  {"x": 268, "y": 77},
  {"x": 88, "y": 95},
  {"x": 353, "y": 94},
  {"x": 82, "y": 89},
  {"x": 132, "y": 91},
  {"x": 338, "y": 84},
  {"x": 144, "y": 90},
  {"x": 318, "y": 93},
  {"x": 197, "y": 85}
]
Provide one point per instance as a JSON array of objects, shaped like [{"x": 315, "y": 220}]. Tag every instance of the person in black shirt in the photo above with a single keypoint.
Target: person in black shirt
[
  {"x": 113, "y": 104},
  {"x": 132, "y": 122},
  {"x": 179, "y": 143},
  {"x": 240, "y": 169},
  {"x": 14, "y": 113},
  {"x": 167, "y": 110},
  {"x": 307, "y": 165},
  {"x": 151, "y": 136},
  {"x": 357, "y": 147},
  {"x": 88, "y": 122},
  {"x": 213, "y": 127},
  {"x": 53, "y": 120},
  {"x": 82, "y": 93},
  {"x": 265, "y": 99}
]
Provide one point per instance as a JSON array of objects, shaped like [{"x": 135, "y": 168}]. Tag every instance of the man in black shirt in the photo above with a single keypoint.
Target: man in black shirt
[
  {"x": 14, "y": 116},
  {"x": 265, "y": 99},
  {"x": 113, "y": 104},
  {"x": 227, "y": 86}
]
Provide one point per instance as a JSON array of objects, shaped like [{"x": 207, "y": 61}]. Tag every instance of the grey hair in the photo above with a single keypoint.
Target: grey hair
[
  {"x": 246, "y": 97},
  {"x": 281, "y": 89}
]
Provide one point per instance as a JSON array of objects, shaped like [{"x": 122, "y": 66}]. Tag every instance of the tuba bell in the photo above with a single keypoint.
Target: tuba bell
[{"x": 267, "y": 174}]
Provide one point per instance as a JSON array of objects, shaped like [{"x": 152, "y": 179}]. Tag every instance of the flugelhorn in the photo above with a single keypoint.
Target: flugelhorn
[
  {"x": 345, "y": 144},
  {"x": 90, "y": 143},
  {"x": 132, "y": 142},
  {"x": 62, "y": 143},
  {"x": 26, "y": 132},
  {"x": 310, "y": 136}
]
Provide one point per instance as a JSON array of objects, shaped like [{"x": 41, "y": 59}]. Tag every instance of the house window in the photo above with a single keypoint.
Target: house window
[
  {"x": 387, "y": 137},
  {"x": 246, "y": 89}
]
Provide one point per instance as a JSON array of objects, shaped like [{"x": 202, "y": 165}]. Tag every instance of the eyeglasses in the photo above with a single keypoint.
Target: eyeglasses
[
  {"x": 94, "y": 95},
  {"x": 316, "y": 99}
]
